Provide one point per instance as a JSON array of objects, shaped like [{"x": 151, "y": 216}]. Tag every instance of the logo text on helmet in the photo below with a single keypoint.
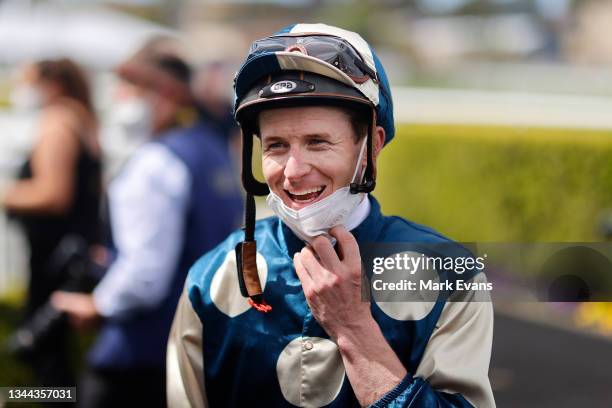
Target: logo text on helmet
[
  {"x": 286, "y": 87},
  {"x": 283, "y": 87}
]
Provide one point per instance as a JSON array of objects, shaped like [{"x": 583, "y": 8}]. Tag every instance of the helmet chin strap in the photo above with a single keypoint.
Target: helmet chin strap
[
  {"x": 246, "y": 251},
  {"x": 246, "y": 261}
]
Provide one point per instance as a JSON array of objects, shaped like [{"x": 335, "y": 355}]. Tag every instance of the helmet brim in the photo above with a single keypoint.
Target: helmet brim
[{"x": 317, "y": 90}]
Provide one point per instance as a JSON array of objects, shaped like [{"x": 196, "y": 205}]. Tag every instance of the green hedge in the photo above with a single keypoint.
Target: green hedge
[{"x": 476, "y": 183}]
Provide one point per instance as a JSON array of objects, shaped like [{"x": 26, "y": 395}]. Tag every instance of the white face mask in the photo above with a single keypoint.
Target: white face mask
[
  {"x": 134, "y": 117},
  {"x": 318, "y": 218},
  {"x": 26, "y": 98}
]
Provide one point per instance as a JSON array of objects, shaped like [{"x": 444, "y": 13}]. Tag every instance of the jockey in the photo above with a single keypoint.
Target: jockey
[{"x": 274, "y": 315}]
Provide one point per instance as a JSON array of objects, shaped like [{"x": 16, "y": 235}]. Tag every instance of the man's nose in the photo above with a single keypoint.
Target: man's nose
[{"x": 296, "y": 167}]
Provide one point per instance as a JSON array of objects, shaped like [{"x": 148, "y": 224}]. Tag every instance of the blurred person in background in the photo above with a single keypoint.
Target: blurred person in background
[
  {"x": 214, "y": 100},
  {"x": 58, "y": 193},
  {"x": 174, "y": 199}
]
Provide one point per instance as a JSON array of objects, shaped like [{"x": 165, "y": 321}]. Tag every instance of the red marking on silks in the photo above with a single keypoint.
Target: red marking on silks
[{"x": 260, "y": 307}]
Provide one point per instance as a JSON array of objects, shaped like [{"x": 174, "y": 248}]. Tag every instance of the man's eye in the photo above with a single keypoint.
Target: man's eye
[
  {"x": 317, "y": 142},
  {"x": 274, "y": 146}
]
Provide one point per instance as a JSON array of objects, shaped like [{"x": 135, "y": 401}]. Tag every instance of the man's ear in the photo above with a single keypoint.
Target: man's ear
[{"x": 378, "y": 141}]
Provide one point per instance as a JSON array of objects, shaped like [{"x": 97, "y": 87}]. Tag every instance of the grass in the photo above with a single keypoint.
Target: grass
[{"x": 13, "y": 373}]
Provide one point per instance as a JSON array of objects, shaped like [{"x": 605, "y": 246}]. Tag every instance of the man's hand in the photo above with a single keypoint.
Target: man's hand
[
  {"x": 332, "y": 286},
  {"x": 80, "y": 308},
  {"x": 332, "y": 283}
]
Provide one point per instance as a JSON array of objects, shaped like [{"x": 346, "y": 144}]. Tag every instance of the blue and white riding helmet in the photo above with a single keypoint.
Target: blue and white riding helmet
[{"x": 310, "y": 64}]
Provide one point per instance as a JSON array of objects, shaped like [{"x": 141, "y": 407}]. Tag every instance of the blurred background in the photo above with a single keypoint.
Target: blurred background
[{"x": 504, "y": 115}]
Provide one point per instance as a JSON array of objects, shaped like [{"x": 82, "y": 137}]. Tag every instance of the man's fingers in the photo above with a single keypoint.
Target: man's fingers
[
  {"x": 347, "y": 244},
  {"x": 325, "y": 251},
  {"x": 301, "y": 272},
  {"x": 317, "y": 271}
]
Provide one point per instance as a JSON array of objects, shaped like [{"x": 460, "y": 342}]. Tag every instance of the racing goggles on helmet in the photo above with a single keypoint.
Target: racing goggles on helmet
[{"x": 331, "y": 49}]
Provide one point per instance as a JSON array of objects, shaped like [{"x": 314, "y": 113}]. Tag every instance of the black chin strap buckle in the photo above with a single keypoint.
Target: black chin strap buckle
[{"x": 365, "y": 187}]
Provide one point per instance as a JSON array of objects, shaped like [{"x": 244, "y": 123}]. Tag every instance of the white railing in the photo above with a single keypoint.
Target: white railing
[
  {"x": 420, "y": 105},
  {"x": 15, "y": 138}
]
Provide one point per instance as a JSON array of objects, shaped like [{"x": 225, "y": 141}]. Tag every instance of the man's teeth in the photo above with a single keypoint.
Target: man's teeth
[{"x": 308, "y": 191}]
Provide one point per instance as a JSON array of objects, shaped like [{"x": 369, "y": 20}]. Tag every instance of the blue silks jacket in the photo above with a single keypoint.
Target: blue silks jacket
[{"x": 223, "y": 353}]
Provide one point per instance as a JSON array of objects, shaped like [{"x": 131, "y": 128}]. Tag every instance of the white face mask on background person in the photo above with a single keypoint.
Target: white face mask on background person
[
  {"x": 135, "y": 119},
  {"x": 25, "y": 98},
  {"x": 318, "y": 218}
]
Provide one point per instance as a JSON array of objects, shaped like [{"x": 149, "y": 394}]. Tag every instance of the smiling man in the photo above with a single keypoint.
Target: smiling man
[{"x": 274, "y": 315}]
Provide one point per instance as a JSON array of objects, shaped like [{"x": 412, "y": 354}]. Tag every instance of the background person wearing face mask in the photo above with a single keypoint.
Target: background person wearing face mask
[
  {"x": 58, "y": 193},
  {"x": 274, "y": 315},
  {"x": 173, "y": 200},
  {"x": 128, "y": 125}
]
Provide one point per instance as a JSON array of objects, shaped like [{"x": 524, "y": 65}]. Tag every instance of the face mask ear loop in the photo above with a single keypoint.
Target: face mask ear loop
[
  {"x": 369, "y": 183},
  {"x": 246, "y": 251},
  {"x": 358, "y": 175}
]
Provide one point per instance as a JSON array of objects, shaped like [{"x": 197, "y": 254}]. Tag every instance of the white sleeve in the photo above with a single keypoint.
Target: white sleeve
[
  {"x": 184, "y": 360},
  {"x": 148, "y": 203},
  {"x": 457, "y": 356}
]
